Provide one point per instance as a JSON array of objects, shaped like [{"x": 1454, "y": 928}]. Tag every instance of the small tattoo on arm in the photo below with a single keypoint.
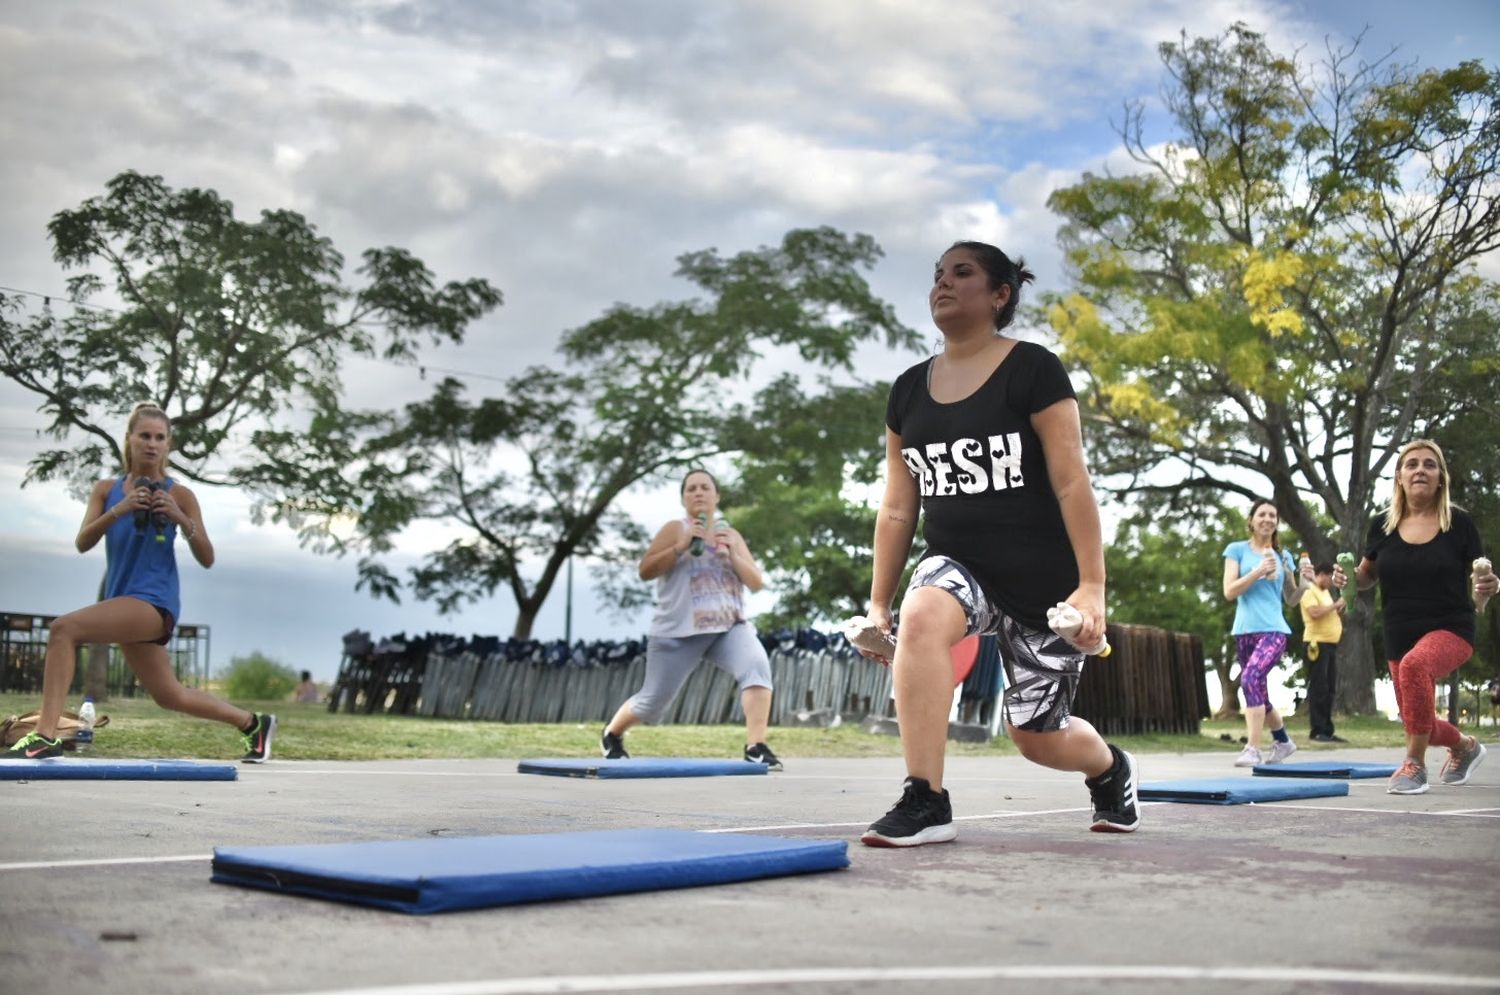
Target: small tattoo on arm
[{"x": 897, "y": 518}]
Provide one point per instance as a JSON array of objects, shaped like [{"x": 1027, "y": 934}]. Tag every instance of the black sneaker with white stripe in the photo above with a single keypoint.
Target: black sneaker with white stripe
[
  {"x": 760, "y": 753},
  {"x": 921, "y": 816},
  {"x": 612, "y": 746},
  {"x": 1114, "y": 795}
]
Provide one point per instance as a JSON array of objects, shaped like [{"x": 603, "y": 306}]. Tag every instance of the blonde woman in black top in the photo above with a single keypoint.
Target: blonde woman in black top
[{"x": 1420, "y": 553}]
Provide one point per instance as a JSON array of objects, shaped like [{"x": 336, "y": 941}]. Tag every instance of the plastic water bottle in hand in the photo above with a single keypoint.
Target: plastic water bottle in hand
[
  {"x": 1482, "y": 568},
  {"x": 85, "y": 737},
  {"x": 1351, "y": 588},
  {"x": 695, "y": 547},
  {"x": 866, "y": 635},
  {"x": 1065, "y": 620}
]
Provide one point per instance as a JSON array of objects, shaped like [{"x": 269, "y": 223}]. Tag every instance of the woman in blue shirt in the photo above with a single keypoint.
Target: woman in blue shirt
[
  {"x": 1259, "y": 578},
  {"x": 138, "y": 515}
]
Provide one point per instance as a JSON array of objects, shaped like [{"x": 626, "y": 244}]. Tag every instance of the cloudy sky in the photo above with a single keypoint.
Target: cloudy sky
[{"x": 568, "y": 152}]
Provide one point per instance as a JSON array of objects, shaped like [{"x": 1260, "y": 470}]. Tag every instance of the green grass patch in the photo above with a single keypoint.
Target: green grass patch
[{"x": 138, "y": 728}]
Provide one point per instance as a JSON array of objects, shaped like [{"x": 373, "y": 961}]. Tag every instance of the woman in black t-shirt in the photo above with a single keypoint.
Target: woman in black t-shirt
[
  {"x": 984, "y": 441},
  {"x": 1420, "y": 553}
]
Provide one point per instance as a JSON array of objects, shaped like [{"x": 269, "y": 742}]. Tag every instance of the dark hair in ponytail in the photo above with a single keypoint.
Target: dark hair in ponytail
[{"x": 1002, "y": 272}]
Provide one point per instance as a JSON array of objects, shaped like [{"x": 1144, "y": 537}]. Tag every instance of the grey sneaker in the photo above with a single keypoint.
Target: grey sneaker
[
  {"x": 1280, "y": 751},
  {"x": 1249, "y": 757},
  {"x": 1461, "y": 764},
  {"x": 1411, "y": 779}
]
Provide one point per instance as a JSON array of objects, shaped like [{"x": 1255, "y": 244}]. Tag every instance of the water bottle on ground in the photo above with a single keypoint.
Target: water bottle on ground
[{"x": 85, "y": 737}]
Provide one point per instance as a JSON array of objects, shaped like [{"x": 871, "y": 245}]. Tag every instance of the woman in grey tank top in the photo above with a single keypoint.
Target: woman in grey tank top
[{"x": 701, "y": 567}]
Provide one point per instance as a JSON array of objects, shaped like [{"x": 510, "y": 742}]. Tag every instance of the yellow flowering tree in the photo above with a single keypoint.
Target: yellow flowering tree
[{"x": 1266, "y": 306}]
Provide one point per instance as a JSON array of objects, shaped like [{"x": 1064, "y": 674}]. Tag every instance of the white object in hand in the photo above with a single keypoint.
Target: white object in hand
[
  {"x": 867, "y": 636},
  {"x": 1065, "y": 620},
  {"x": 1482, "y": 568}
]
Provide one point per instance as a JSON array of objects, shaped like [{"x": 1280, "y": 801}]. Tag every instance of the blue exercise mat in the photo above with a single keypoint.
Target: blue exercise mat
[
  {"x": 441, "y": 875},
  {"x": 1239, "y": 790},
  {"x": 640, "y": 767},
  {"x": 1326, "y": 768},
  {"x": 72, "y": 769}
]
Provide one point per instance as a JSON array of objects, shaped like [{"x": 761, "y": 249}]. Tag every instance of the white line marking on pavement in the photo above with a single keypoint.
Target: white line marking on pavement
[
  {"x": 1414, "y": 981},
  {"x": 47, "y": 865},
  {"x": 108, "y": 861},
  {"x": 846, "y": 825},
  {"x": 1471, "y": 813},
  {"x": 391, "y": 773}
]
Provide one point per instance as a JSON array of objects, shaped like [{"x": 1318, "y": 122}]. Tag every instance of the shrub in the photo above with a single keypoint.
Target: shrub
[{"x": 257, "y": 677}]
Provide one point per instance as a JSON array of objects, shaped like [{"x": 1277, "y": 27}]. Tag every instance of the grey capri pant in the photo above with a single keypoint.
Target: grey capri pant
[{"x": 671, "y": 660}]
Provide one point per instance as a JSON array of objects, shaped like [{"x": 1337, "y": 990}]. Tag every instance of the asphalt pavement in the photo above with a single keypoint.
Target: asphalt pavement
[{"x": 107, "y": 886}]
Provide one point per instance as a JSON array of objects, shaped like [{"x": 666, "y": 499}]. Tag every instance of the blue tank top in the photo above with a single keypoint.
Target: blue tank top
[
  {"x": 138, "y": 566},
  {"x": 1260, "y": 608}
]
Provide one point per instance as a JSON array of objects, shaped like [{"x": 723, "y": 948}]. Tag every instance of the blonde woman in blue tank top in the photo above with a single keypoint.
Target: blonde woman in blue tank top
[
  {"x": 701, "y": 567},
  {"x": 139, "y": 515}
]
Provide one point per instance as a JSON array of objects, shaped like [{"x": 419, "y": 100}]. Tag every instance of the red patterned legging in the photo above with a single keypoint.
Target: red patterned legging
[{"x": 1416, "y": 674}]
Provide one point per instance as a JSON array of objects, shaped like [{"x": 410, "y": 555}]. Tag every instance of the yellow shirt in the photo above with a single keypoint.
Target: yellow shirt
[{"x": 1329, "y": 628}]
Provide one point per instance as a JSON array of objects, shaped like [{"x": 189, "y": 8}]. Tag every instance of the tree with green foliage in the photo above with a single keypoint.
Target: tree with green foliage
[
  {"x": 806, "y": 465},
  {"x": 530, "y": 476},
  {"x": 1265, "y": 305},
  {"x": 1464, "y": 420},
  {"x": 257, "y": 677},
  {"x": 1165, "y": 564},
  {"x": 227, "y": 324}
]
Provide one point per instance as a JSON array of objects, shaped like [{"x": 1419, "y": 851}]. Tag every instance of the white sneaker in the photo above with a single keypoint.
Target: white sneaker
[
  {"x": 1280, "y": 751},
  {"x": 1249, "y": 757}
]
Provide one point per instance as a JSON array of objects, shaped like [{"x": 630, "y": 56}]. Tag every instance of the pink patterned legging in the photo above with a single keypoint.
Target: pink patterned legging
[
  {"x": 1416, "y": 674},
  {"x": 1258, "y": 653}
]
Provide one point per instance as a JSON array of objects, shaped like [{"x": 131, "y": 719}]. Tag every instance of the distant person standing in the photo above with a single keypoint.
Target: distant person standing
[
  {"x": 306, "y": 690},
  {"x": 139, "y": 515},
  {"x": 1259, "y": 577},
  {"x": 1420, "y": 552},
  {"x": 1322, "y": 628}
]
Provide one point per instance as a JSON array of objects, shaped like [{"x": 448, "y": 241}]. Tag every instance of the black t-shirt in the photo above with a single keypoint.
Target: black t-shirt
[
  {"x": 986, "y": 499},
  {"x": 1425, "y": 588}
]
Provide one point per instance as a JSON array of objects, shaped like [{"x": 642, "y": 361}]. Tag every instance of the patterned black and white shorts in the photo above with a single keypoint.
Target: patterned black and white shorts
[{"x": 1041, "y": 668}]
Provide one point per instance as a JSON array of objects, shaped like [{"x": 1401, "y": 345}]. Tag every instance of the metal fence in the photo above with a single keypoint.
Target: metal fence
[
  {"x": 23, "y": 652},
  {"x": 1152, "y": 682},
  {"x": 531, "y": 681}
]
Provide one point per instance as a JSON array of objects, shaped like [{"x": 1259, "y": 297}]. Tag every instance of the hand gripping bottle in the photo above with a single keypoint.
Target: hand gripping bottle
[
  {"x": 695, "y": 548},
  {"x": 1351, "y": 588},
  {"x": 1065, "y": 620},
  {"x": 1482, "y": 568}
]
